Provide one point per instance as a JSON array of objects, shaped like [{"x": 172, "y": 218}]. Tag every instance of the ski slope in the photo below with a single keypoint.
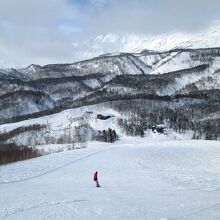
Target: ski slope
[{"x": 141, "y": 178}]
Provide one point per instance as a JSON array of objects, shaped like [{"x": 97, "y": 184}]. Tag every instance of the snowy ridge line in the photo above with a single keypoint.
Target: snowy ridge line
[
  {"x": 53, "y": 170},
  {"x": 195, "y": 212},
  {"x": 44, "y": 204}
]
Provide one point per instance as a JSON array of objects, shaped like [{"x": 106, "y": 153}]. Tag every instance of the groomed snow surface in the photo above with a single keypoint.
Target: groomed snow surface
[{"x": 141, "y": 178}]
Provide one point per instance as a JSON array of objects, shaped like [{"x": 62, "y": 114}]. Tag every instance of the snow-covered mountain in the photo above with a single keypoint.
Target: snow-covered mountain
[
  {"x": 128, "y": 43},
  {"x": 169, "y": 69},
  {"x": 108, "y": 98},
  {"x": 110, "y": 77},
  {"x": 130, "y": 85},
  {"x": 115, "y": 43},
  {"x": 5, "y": 65}
]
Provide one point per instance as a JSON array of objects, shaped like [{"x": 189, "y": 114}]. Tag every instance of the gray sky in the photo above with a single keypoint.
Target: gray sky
[{"x": 44, "y": 31}]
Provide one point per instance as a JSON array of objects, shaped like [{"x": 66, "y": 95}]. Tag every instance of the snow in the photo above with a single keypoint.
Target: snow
[
  {"x": 151, "y": 59},
  {"x": 5, "y": 65},
  {"x": 187, "y": 79},
  {"x": 63, "y": 119},
  {"x": 141, "y": 178},
  {"x": 92, "y": 83},
  {"x": 31, "y": 69},
  {"x": 211, "y": 116},
  {"x": 161, "y": 126},
  {"x": 175, "y": 61},
  {"x": 132, "y": 42}
]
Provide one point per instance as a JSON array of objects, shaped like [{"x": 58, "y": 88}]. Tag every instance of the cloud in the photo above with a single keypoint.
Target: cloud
[
  {"x": 156, "y": 16},
  {"x": 99, "y": 3},
  {"x": 38, "y": 12},
  {"x": 66, "y": 29},
  {"x": 38, "y": 31},
  {"x": 46, "y": 31}
]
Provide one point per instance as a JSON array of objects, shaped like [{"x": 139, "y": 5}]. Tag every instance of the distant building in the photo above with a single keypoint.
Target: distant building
[
  {"x": 89, "y": 112},
  {"x": 102, "y": 117}
]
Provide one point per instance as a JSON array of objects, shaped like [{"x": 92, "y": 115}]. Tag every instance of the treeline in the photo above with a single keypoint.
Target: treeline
[
  {"x": 132, "y": 126},
  {"x": 30, "y": 136},
  {"x": 108, "y": 135},
  {"x": 76, "y": 134},
  {"x": 208, "y": 129},
  {"x": 182, "y": 115},
  {"x": 12, "y": 153},
  {"x": 20, "y": 130},
  {"x": 9, "y": 100},
  {"x": 95, "y": 98}
]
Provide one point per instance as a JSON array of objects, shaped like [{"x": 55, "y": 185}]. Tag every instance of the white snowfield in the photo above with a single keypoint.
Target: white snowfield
[{"x": 141, "y": 178}]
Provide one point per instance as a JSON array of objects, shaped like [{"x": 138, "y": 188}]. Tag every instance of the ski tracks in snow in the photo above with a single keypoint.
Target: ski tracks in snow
[
  {"x": 44, "y": 204},
  {"x": 196, "y": 212},
  {"x": 58, "y": 168}
]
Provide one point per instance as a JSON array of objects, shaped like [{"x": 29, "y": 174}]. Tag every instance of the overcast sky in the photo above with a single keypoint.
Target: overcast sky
[{"x": 44, "y": 31}]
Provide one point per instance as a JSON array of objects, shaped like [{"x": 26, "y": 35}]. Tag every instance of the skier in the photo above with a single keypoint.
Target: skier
[{"x": 96, "y": 179}]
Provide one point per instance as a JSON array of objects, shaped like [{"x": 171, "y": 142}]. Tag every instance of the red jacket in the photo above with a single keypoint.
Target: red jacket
[{"x": 95, "y": 176}]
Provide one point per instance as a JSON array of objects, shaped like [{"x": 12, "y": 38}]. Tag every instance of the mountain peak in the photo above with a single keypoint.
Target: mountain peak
[{"x": 130, "y": 42}]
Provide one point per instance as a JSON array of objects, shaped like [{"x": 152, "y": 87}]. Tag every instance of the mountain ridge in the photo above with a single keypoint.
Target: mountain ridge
[{"x": 186, "y": 75}]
